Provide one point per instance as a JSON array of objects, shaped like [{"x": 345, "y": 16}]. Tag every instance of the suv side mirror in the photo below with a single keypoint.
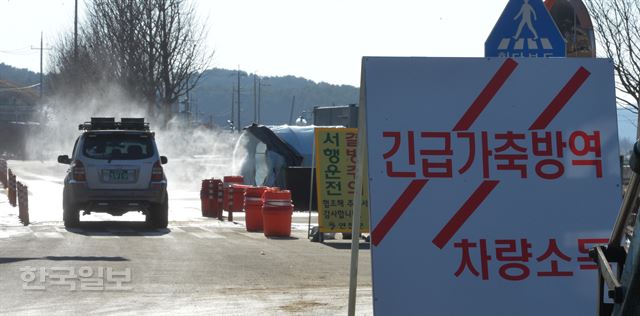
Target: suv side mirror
[
  {"x": 163, "y": 160},
  {"x": 64, "y": 159}
]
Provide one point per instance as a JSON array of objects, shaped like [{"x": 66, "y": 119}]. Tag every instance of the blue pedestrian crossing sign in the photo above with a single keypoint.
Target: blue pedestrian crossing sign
[{"x": 525, "y": 29}]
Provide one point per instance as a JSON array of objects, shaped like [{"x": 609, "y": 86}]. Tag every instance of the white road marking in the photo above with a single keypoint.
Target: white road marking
[
  {"x": 159, "y": 235},
  {"x": 176, "y": 230},
  {"x": 101, "y": 235},
  {"x": 256, "y": 235},
  {"x": 207, "y": 235},
  {"x": 48, "y": 235}
]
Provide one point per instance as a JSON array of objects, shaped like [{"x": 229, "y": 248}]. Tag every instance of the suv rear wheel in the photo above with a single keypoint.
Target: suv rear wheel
[
  {"x": 71, "y": 214},
  {"x": 158, "y": 215}
]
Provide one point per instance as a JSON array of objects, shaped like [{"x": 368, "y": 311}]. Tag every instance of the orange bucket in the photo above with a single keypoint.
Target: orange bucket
[
  {"x": 253, "y": 208},
  {"x": 276, "y": 213},
  {"x": 204, "y": 196}
]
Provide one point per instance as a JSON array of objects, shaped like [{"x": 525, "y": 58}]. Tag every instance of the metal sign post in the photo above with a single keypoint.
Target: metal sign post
[{"x": 361, "y": 157}]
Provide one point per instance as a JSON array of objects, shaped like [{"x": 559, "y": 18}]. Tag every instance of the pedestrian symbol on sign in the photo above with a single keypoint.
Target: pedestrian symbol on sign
[
  {"x": 525, "y": 13},
  {"x": 525, "y": 29}
]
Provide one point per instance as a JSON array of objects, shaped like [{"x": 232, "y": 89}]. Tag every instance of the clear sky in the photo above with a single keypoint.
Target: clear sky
[{"x": 321, "y": 40}]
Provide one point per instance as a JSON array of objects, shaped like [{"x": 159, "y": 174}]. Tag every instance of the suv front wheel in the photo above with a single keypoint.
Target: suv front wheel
[{"x": 158, "y": 215}]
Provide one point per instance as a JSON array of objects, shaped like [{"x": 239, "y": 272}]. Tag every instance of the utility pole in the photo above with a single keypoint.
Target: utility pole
[
  {"x": 259, "y": 98},
  {"x": 260, "y": 85},
  {"x": 293, "y": 104},
  {"x": 233, "y": 101},
  {"x": 255, "y": 99},
  {"x": 75, "y": 34},
  {"x": 238, "y": 122},
  {"x": 41, "y": 76},
  {"x": 41, "y": 48}
]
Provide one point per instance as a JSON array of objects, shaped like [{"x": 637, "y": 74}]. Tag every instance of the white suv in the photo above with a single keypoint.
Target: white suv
[{"x": 115, "y": 168}]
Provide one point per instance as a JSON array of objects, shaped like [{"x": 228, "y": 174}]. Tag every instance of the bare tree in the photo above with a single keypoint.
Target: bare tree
[
  {"x": 180, "y": 45},
  {"x": 153, "y": 49},
  {"x": 617, "y": 24},
  {"x": 76, "y": 75}
]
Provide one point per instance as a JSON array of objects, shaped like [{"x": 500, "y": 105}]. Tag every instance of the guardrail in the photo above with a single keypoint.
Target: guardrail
[
  {"x": 12, "y": 194},
  {"x": 23, "y": 203},
  {"x": 17, "y": 192}
]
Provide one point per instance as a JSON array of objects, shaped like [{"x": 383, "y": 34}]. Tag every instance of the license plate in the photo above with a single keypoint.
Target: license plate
[{"x": 118, "y": 175}]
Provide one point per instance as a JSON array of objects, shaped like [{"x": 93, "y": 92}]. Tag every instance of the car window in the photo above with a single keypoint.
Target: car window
[
  {"x": 118, "y": 146},
  {"x": 75, "y": 145}
]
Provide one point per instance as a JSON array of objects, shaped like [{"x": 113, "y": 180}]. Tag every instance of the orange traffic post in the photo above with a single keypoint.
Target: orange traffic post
[
  {"x": 229, "y": 202},
  {"x": 219, "y": 198},
  {"x": 277, "y": 211},
  {"x": 236, "y": 199},
  {"x": 253, "y": 208}
]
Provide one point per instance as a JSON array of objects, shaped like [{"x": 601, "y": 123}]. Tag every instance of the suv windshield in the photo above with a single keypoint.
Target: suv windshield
[{"x": 118, "y": 146}]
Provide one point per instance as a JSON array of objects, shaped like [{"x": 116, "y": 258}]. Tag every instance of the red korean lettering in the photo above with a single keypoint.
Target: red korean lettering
[
  {"x": 397, "y": 141},
  {"x": 547, "y": 140},
  {"x": 441, "y": 169},
  {"x": 581, "y": 144},
  {"x": 351, "y": 153},
  {"x": 352, "y": 139},
  {"x": 467, "y": 263},
  {"x": 511, "y": 153},
  {"x": 486, "y": 153},
  {"x": 471, "y": 137},
  {"x": 554, "y": 250},
  {"x": 504, "y": 250},
  {"x": 543, "y": 146},
  {"x": 549, "y": 169}
]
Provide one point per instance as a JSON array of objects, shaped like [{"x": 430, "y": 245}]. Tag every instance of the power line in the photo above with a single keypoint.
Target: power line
[
  {"x": 19, "y": 88},
  {"x": 18, "y": 51}
]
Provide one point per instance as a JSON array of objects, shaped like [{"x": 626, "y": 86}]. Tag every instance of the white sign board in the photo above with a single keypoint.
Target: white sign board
[{"x": 489, "y": 180}]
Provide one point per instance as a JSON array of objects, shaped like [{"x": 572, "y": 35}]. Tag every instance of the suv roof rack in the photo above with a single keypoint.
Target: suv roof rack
[{"x": 109, "y": 123}]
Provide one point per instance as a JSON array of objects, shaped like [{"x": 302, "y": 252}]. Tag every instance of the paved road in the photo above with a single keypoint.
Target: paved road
[
  {"x": 188, "y": 268},
  {"x": 197, "y": 265}
]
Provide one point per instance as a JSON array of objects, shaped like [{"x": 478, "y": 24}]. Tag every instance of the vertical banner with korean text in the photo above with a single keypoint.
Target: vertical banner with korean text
[
  {"x": 335, "y": 172},
  {"x": 489, "y": 181}
]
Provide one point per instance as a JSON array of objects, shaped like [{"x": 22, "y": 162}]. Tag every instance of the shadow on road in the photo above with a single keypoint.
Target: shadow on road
[
  {"x": 341, "y": 245},
  {"x": 117, "y": 228},
  {"x": 282, "y": 238},
  {"x": 62, "y": 258}
]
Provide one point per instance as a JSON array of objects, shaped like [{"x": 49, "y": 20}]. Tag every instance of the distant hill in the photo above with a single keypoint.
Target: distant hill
[
  {"x": 11, "y": 81},
  {"x": 213, "y": 96},
  {"x": 18, "y": 75}
]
